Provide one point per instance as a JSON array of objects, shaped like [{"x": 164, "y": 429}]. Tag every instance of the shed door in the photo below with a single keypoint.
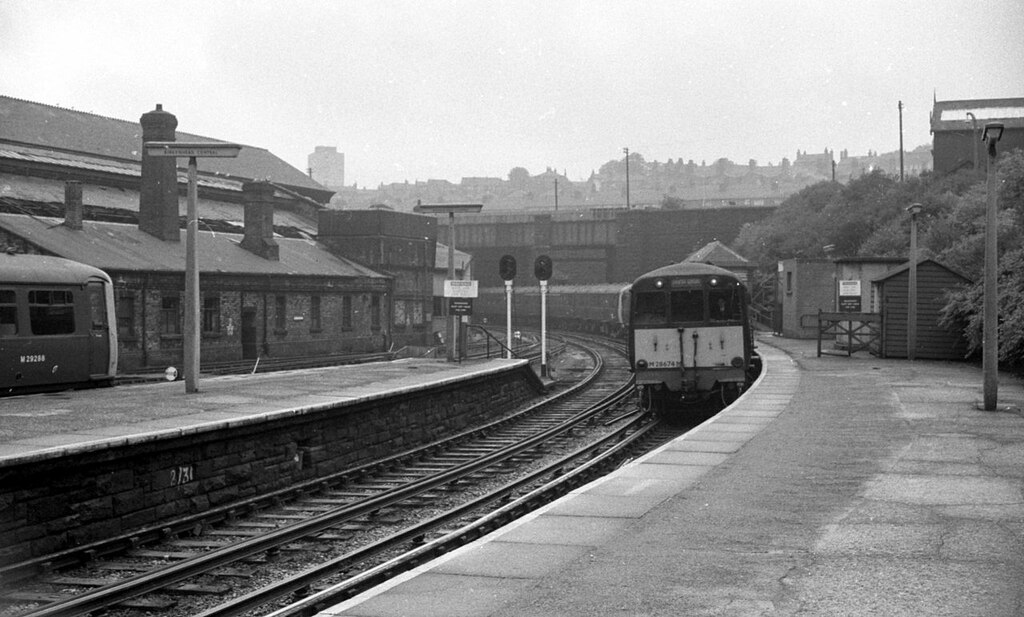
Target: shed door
[{"x": 99, "y": 330}]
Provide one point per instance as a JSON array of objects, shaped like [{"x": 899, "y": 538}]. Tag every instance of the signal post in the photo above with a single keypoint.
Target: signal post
[
  {"x": 507, "y": 270},
  {"x": 542, "y": 270}
]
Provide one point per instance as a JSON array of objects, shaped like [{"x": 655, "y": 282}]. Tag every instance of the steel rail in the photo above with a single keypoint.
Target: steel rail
[
  {"x": 104, "y": 597},
  {"x": 83, "y": 554},
  {"x": 313, "y": 604},
  {"x": 304, "y": 580}
]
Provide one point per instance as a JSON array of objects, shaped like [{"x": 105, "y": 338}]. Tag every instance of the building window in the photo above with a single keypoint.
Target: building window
[
  {"x": 281, "y": 313},
  {"x": 125, "y": 309},
  {"x": 346, "y": 312},
  {"x": 315, "y": 324},
  {"x": 51, "y": 311},
  {"x": 211, "y": 315},
  {"x": 789, "y": 282},
  {"x": 170, "y": 315},
  {"x": 8, "y": 313},
  {"x": 375, "y": 312},
  {"x": 400, "y": 314}
]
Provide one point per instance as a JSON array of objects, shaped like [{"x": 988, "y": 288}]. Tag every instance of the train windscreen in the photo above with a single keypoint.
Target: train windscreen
[
  {"x": 691, "y": 304},
  {"x": 650, "y": 308}
]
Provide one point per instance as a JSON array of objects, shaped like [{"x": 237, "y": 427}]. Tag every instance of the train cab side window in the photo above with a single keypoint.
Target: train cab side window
[
  {"x": 8, "y": 313},
  {"x": 51, "y": 311},
  {"x": 650, "y": 308},
  {"x": 724, "y": 305}
]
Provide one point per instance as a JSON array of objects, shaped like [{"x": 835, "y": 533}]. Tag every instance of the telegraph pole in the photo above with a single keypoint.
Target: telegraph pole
[
  {"x": 901, "y": 140},
  {"x": 626, "y": 150}
]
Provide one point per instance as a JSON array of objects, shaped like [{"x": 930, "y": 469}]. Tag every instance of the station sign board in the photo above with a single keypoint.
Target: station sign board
[
  {"x": 849, "y": 296},
  {"x": 192, "y": 149},
  {"x": 460, "y": 306},
  {"x": 460, "y": 289}
]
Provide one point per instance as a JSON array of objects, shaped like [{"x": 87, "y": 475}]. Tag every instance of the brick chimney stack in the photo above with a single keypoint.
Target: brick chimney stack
[
  {"x": 73, "y": 205},
  {"x": 158, "y": 197},
  {"x": 259, "y": 220}
]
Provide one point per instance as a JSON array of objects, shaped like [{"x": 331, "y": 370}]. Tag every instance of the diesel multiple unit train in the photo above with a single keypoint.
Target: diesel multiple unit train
[
  {"x": 687, "y": 325},
  {"x": 57, "y": 324}
]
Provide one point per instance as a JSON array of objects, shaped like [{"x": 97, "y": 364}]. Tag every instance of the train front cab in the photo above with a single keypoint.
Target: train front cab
[
  {"x": 690, "y": 339},
  {"x": 57, "y": 334}
]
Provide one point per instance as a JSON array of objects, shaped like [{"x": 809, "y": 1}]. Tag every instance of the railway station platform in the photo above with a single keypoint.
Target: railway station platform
[
  {"x": 66, "y": 423},
  {"x": 837, "y": 486}
]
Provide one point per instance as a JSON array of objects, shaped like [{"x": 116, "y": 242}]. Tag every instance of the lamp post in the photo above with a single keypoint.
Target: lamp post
[
  {"x": 914, "y": 210},
  {"x": 974, "y": 138},
  {"x": 990, "y": 340},
  {"x": 450, "y": 210}
]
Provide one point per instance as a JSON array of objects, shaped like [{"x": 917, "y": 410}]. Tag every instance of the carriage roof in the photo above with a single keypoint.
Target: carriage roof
[
  {"x": 686, "y": 268},
  {"x": 28, "y": 269}
]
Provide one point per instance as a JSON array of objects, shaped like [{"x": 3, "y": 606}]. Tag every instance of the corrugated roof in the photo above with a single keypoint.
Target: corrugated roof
[
  {"x": 47, "y": 190},
  {"x": 68, "y": 130},
  {"x": 113, "y": 246},
  {"x": 32, "y": 154}
]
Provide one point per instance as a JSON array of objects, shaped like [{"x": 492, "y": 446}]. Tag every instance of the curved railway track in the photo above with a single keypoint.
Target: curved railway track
[{"x": 441, "y": 496}]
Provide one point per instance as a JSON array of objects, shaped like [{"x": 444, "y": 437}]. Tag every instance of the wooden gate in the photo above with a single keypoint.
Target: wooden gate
[{"x": 862, "y": 331}]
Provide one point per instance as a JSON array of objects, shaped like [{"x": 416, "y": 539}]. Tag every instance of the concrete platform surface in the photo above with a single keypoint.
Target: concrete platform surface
[
  {"x": 838, "y": 486},
  {"x": 41, "y": 426}
]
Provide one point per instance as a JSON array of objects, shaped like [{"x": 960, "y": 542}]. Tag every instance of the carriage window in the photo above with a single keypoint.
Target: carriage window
[
  {"x": 688, "y": 305},
  {"x": 724, "y": 304},
  {"x": 650, "y": 308},
  {"x": 8, "y": 313},
  {"x": 51, "y": 311}
]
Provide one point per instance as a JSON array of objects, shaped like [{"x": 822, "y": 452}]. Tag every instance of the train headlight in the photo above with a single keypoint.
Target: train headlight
[
  {"x": 641, "y": 364},
  {"x": 737, "y": 362},
  {"x": 658, "y": 284}
]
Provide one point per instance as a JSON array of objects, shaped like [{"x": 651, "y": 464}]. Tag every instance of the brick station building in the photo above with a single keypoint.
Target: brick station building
[{"x": 80, "y": 186}]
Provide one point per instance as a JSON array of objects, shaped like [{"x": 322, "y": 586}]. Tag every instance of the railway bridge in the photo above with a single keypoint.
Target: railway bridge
[{"x": 597, "y": 245}]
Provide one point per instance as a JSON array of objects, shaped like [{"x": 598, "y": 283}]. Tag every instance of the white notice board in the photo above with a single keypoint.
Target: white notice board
[{"x": 460, "y": 289}]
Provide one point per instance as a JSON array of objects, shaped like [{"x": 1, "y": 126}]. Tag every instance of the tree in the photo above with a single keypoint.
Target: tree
[{"x": 518, "y": 178}]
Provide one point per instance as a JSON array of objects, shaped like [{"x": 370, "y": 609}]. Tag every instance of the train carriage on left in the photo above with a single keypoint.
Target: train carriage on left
[{"x": 57, "y": 324}]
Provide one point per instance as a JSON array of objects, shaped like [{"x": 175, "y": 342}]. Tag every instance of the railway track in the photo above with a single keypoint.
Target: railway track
[{"x": 439, "y": 496}]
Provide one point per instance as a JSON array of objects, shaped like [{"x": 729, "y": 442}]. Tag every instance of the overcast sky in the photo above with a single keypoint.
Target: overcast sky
[{"x": 448, "y": 89}]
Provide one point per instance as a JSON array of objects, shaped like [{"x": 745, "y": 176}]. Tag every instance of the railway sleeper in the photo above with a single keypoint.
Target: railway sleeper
[{"x": 198, "y": 590}]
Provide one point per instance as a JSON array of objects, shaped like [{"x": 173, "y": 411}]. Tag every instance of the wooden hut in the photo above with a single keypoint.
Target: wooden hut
[{"x": 934, "y": 341}]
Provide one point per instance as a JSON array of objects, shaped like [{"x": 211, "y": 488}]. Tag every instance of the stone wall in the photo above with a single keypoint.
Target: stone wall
[{"x": 52, "y": 505}]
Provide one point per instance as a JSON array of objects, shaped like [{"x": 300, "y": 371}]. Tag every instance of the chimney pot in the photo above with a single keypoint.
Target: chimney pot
[
  {"x": 158, "y": 193},
  {"x": 73, "y": 204},
  {"x": 259, "y": 220}
]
